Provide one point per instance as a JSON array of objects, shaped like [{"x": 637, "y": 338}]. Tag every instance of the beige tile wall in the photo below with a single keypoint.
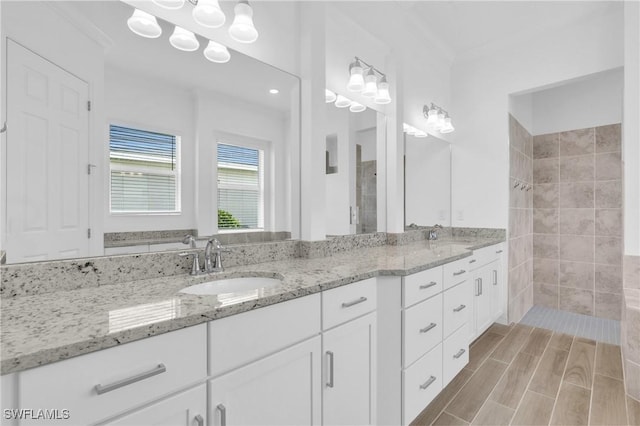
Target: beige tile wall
[
  {"x": 520, "y": 284},
  {"x": 577, "y": 221},
  {"x": 630, "y": 325}
]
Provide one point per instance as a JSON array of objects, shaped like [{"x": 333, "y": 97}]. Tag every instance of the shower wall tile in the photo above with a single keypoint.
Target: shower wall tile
[
  {"x": 546, "y": 146},
  {"x": 545, "y": 221},
  {"x": 608, "y": 305},
  {"x": 545, "y": 246},
  {"x": 608, "y": 222},
  {"x": 520, "y": 278},
  {"x": 545, "y": 295},
  {"x": 546, "y": 170},
  {"x": 576, "y": 195},
  {"x": 576, "y": 248},
  {"x": 609, "y": 278},
  {"x": 632, "y": 272},
  {"x": 608, "y": 194},
  {"x": 609, "y": 250},
  {"x": 577, "y": 169},
  {"x": 575, "y": 300},
  {"x": 577, "y": 142},
  {"x": 545, "y": 271},
  {"x": 546, "y": 196},
  {"x": 576, "y": 221},
  {"x": 576, "y": 275},
  {"x": 608, "y": 138},
  {"x": 608, "y": 166}
]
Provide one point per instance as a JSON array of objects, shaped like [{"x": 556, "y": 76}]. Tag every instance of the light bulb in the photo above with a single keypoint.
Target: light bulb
[
  {"x": 208, "y": 14},
  {"x": 440, "y": 124},
  {"x": 216, "y": 52},
  {"x": 183, "y": 39},
  {"x": 342, "y": 101},
  {"x": 370, "y": 84},
  {"x": 356, "y": 107},
  {"x": 242, "y": 29},
  {"x": 169, "y": 4},
  {"x": 144, "y": 24},
  {"x": 448, "y": 126},
  {"x": 356, "y": 79},
  {"x": 432, "y": 117},
  {"x": 382, "y": 96},
  {"x": 329, "y": 96}
]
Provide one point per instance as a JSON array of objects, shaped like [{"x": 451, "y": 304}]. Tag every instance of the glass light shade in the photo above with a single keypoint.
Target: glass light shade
[
  {"x": 208, "y": 14},
  {"x": 356, "y": 77},
  {"x": 405, "y": 127},
  {"x": 342, "y": 101},
  {"x": 448, "y": 126},
  {"x": 382, "y": 96},
  {"x": 420, "y": 134},
  {"x": 215, "y": 52},
  {"x": 356, "y": 107},
  {"x": 183, "y": 39},
  {"x": 329, "y": 96},
  {"x": 169, "y": 4},
  {"x": 144, "y": 24},
  {"x": 432, "y": 118},
  {"x": 242, "y": 29},
  {"x": 411, "y": 131},
  {"x": 440, "y": 124},
  {"x": 370, "y": 84}
]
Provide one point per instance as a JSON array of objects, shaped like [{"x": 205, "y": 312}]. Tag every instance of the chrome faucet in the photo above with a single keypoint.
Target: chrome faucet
[
  {"x": 215, "y": 264},
  {"x": 191, "y": 241},
  {"x": 433, "y": 233}
]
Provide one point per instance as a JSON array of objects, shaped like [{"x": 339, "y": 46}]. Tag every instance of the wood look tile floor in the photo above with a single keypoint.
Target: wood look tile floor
[{"x": 521, "y": 375}]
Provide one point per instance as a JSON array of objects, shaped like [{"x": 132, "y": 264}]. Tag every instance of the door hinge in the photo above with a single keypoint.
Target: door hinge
[
  {"x": 88, "y": 105},
  {"x": 88, "y": 232}
]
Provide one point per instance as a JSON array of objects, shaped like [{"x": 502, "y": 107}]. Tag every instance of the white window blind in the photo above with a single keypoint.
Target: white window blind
[
  {"x": 240, "y": 187},
  {"x": 144, "y": 171}
]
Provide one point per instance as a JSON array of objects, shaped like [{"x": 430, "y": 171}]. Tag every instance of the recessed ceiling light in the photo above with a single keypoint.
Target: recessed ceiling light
[{"x": 274, "y": 91}]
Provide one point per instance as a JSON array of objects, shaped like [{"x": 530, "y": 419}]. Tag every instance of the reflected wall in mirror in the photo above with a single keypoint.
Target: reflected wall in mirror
[
  {"x": 353, "y": 140},
  {"x": 173, "y": 142},
  {"x": 427, "y": 181}
]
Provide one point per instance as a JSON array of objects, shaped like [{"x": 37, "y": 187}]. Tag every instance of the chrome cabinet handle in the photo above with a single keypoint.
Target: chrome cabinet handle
[
  {"x": 426, "y": 286},
  {"x": 223, "y": 414},
  {"x": 330, "y": 367},
  {"x": 460, "y": 272},
  {"x": 355, "y": 302},
  {"x": 477, "y": 287},
  {"x": 480, "y": 286},
  {"x": 429, "y": 327},
  {"x": 199, "y": 420},
  {"x": 100, "y": 389},
  {"x": 473, "y": 261},
  {"x": 495, "y": 277},
  {"x": 498, "y": 251},
  {"x": 428, "y": 382},
  {"x": 459, "y": 308},
  {"x": 459, "y": 354}
]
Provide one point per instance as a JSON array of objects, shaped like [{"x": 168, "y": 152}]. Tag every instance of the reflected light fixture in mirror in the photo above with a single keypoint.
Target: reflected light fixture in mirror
[
  {"x": 329, "y": 96},
  {"x": 216, "y": 52},
  {"x": 242, "y": 29},
  {"x": 144, "y": 24},
  {"x": 209, "y": 14},
  {"x": 342, "y": 101},
  {"x": 170, "y": 4},
  {"x": 356, "y": 107},
  {"x": 183, "y": 39},
  {"x": 412, "y": 131}
]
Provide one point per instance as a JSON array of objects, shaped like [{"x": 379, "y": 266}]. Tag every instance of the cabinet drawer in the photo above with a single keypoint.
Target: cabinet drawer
[
  {"x": 421, "y": 383},
  {"x": 457, "y": 307},
  {"x": 348, "y": 302},
  {"x": 422, "y": 328},
  {"x": 456, "y": 272},
  {"x": 108, "y": 382},
  {"x": 421, "y": 286},
  {"x": 240, "y": 339},
  {"x": 485, "y": 255},
  {"x": 455, "y": 354}
]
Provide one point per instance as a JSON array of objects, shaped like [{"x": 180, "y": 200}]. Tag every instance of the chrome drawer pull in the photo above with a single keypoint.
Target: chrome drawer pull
[
  {"x": 459, "y": 308},
  {"x": 460, "y": 272},
  {"x": 427, "y": 328},
  {"x": 223, "y": 414},
  {"x": 428, "y": 382},
  {"x": 495, "y": 277},
  {"x": 473, "y": 261},
  {"x": 498, "y": 251},
  {"x": 100, "y": 389},
  {"x": 199, "y": 420},
  {"x": 459, "y": 354},
  {"x": 355, "y": 302},
  {"x": 330, "y": 368},
  {"x": 426, "y": 286}
]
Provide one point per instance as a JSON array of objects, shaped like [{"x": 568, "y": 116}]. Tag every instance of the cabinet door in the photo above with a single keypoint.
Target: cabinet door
[
  {"x": 281, "y": 389},
  {"x": 187, "y": 408},
  {"x": 497, "y": 288},
  {"x": 483, "y": 295},
  {"x": 349, "y": 373}
]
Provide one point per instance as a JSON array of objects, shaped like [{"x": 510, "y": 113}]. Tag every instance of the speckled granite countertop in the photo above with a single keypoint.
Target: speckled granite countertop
[{"x": 40, "y": 329}]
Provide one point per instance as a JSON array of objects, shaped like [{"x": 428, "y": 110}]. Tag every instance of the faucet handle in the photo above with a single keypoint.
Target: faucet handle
[
  {"x": 189, "y": 239},
  {"x": 195, "y": 266}
]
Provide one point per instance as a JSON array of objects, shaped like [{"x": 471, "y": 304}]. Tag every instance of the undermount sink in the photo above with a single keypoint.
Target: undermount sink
[{"x": 231, "y": 285}]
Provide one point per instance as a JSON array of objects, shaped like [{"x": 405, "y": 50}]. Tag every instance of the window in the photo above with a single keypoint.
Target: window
[
  {"x": 240, "y": 187},
  {"x": 144, "y": 171}
]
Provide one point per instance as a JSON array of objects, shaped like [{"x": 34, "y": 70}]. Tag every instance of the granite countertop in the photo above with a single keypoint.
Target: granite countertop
[{"x": 41, "y": 329}]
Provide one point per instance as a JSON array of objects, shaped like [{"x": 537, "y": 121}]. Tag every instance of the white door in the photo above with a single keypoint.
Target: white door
[
  {"x": 281, "y": 389},
  {"x": 47, "y": 159},
  {"x": 348, "y": 383},
  {"x": 188, "y": 408}
]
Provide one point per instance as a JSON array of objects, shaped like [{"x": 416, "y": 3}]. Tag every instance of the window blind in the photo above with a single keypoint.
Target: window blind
[{"x": 143, "y": 171}]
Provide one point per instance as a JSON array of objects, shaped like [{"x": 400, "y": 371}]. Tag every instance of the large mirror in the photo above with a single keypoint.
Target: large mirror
[
  {"x": 352, "y": 159},
  {"x": 427, "y": 182},
  {"x": 174, "y": 142}
]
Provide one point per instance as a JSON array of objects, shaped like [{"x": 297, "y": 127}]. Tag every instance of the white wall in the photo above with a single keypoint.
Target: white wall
[
  {"x": 592, "y": 101},
  {"x": 521, "y": 107},
  {"x": 338, "y": 185},
  {"x": 480, "y": 91}
]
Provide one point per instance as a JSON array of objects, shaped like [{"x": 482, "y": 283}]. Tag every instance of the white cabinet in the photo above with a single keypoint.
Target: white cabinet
[
  {"x": 349, "y": 381},
  {"x": 188, "y": 408},
  {"x": 280, "y": 389},
  {"x": 488, "y": 291}
]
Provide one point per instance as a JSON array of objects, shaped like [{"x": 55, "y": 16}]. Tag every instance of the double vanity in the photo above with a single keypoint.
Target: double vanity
[{"x": 369, "y": 336}]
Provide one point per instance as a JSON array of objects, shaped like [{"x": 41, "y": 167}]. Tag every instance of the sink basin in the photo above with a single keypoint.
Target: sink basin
[{"x": 231, "y": 285}]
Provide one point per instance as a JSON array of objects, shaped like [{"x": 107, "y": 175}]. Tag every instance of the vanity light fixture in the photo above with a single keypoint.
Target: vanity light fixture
[
  {"x": 169, "y": 4},
  {"x": 342, "y": 101},
  {"x": 144, "y": 24},
  {"x": 209, "y": 14},
  {"x": 412, "y": 131},
  {"x": 363, "y": 78},
  {"x": 356, "y": 107},
  {"x": 216, "y": 52},
  {"x": 438, "y": 119},
  {"x": 242, "y": 29},
  {"x": 274, "y": 91},
  {"x": 183, "y": 39},
  {"x": 329, "y": 96}
]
